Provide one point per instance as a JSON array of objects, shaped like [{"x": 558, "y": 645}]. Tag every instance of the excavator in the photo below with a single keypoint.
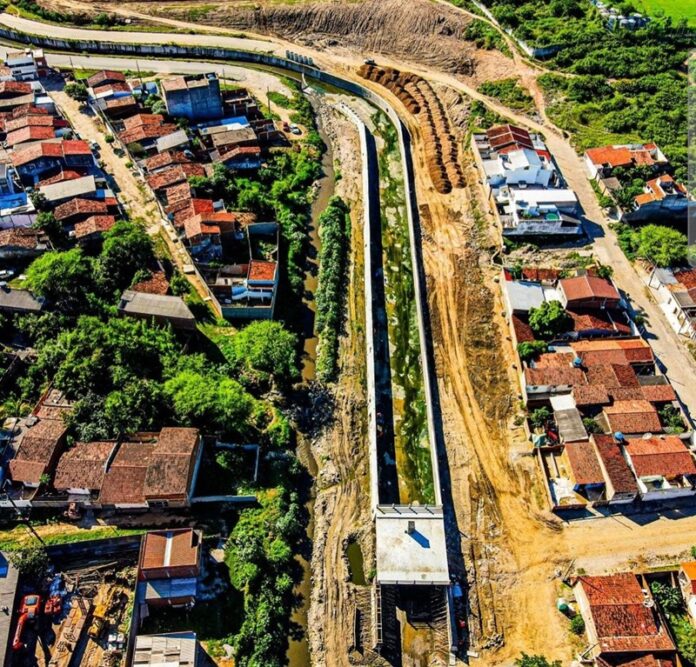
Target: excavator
[
  {"x": 99, "y": 617},
  {"x": 28, "y": 613}
]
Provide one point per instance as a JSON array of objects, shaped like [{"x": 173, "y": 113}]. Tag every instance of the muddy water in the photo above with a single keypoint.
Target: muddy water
[
  {"x": 411, "y": 442},
  {"x": 356, "y": 563},
  {"x": 325, "y": 190},
  {"x": 298, "y": 651}
]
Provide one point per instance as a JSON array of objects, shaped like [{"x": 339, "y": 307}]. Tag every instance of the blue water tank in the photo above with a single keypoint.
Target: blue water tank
[{"x": 619, "y": 437}]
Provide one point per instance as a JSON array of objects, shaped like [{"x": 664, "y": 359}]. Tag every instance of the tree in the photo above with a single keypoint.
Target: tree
[
  {"x": 535, "y": 661},
  {"x": 125, "y": 250},
  {"x": 668, "y": 598},
  {"x": 662, "y": 246},
  {"x": 31, "y": 562},
  {"x": 77, "y": 90},
  {"x": 263, "y": 349},
  {"x": 549, "y": 319},
  {"x": 540, "y": 417},
  {"x": 531, "y": 349},
  {"x": 38, "y": 199},
  {"x": 210, "y": 400},
  {"x": 47, "y": 223},
  {"x": 577, "y": 625},
  {"x": 64, "y": 278}
]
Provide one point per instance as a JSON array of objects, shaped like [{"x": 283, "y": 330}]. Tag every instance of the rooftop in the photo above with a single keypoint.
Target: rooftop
[
  {"x": 83, "y": 466},
  {"x": 665, "y": 456},
  {"x": 617, "y": 469},
  {"x": 105, "y": 76},
  {"x": 96, "y": 224},
  {"x": 588, "y": 287},
  {"x": 620, "y": 616},
  {"x": 636, "y": 416},
  {"x": 155, "y": 305},
  {"x": 419, "y": 556},
  {"x": 177, "y": 649},
  {"x": 170, "y": 548},
  {"x": 584, "y": 463}
]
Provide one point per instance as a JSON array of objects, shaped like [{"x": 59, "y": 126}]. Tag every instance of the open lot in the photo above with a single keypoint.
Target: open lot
[{"x": 683, "y": 9}]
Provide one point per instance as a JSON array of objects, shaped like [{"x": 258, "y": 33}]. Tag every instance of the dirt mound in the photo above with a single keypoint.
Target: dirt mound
[
  {"x": 418, "y": 29},
  {"x": 441, "y": 145}
]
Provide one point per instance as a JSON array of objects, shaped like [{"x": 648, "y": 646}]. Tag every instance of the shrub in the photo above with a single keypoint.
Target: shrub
[
  {"x": 577, "y": 625},
  {"x": 549, "y": 319},
  {"x": 531, "y": 349},
  {"x": 540, "y": 417},
  {"x": 77, "y": 90}
]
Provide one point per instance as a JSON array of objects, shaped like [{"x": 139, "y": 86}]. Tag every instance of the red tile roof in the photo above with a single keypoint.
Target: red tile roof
[
  {"x": 157, "y": 283},
  {"x": 96, "y": 224},
  {"x": 33, "y": 121},
  {"x": 554, "y": 360},
  {"x": 174, "y": 175},
  {"x": 622, "y": 621},
  {"x": 14, "y": 88},
  {"x": 633, "y": 417},
  {"x": 259, "y": 270},
  {"x": 118, "y": 87},
  {"x": 554, "y": 376},
  {"x": 187, "y": 208},
  {"x": 618, "y": 472},
  {"x": 19, "y": 237},
  {"x": 584, "y": 463},
  {"x": 142, "y": 119},
  {"x": 80, "y": 207},
  {"x": 124, "y": 482},
  {"x": 622, "y": 156},
  {"x": 83, "y": 466},
  {"x": 523, "y": 332},
  {"x": 239, "y": 151},
  {"x": 105, "y": 75},
  {"x": 590, "y": 394},
  {"x": 64, "y": 175},
  {"x": 586, "y": 320},
  {"x": 169, "y": 548},
  {"x": 58, "y": 149},
  {"x": 594, "y": 352},
  {"x": 538, "y": 274},
  {"x": 665, "y": 455},
  {"x": 146, "y": 131},
  {"x": 587, "y": 287},
  {"x": 165, "y": 159},
  {"x": 502, "y": 136},
  {"x": 36, "y": 450},
  {"x": 659, "y": 393}
]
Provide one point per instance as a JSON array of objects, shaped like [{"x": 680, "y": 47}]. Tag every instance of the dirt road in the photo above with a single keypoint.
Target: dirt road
[{"x": 136, "y": 198}]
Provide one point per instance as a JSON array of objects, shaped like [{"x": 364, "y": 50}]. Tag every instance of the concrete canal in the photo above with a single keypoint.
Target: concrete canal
[{"x": 408, "y": 428}]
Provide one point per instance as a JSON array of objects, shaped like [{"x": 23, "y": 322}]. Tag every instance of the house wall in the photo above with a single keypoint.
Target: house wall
[
  {"x": 584, "y": 609},
  {"x": 591, "y": 169}
]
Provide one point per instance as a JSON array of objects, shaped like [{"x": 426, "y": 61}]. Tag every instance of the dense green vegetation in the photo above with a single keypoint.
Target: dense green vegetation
[
  {"x": 671, "y": 603},
  {"x": 334, "y": 227},
  {"x": 485, "y": 36},
  {"x": 549, "y": 319},
  {"x": 259, "y": 554},
  {"x": 661, "y": 246},
  {"x": 529, "y": 350},
  {"x": 510, "y": 93}
]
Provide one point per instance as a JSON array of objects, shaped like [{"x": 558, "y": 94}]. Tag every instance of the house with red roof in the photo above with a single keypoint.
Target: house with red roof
[
  {"x": 602, "y": 161},
  {"x": 91, "y": 230},
  {"x": 663, "y": 466},
  {"x": 662, "y": 196},
  {"x": 621, "y": 619},
  {"x": 676, "y": 293},
  {"x": 588, "y": 291},
  {"x": 40, "y": 158},
  {"x": 168, "y": 568},
  {"x": 105, "y": 77}
]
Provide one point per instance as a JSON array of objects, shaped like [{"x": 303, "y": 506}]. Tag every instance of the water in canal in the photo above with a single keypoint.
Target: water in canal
[{"x": 411, "y": 441}]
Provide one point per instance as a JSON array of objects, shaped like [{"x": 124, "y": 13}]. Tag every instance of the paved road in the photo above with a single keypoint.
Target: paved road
[
  {"x": 62, "y": 32},
  {"x": 667, "y": 345}
]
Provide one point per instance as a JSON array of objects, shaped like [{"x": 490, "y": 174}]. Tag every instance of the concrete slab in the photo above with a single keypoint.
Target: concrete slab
[
  {"x": 8, "y": 591},
  {"x": 411, "y": 546}
]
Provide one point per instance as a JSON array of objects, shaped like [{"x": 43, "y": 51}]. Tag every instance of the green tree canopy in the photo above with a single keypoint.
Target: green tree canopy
[
  {"x": 662, "y": 246},
  {"x": 549, "y": 319},
  {"x": 262, "y": 349},
  {"x": 64, "y": 278},
  {"x": 126, "y": 250},
  {"x": 535, "y": 661},
  {"x": 77, "y": 90}
]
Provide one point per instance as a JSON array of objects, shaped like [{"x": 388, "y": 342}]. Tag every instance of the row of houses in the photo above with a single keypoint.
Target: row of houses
[
  {"x": 612, "y": 168},
  {"x": 606, "y": 424},
  {"x": 141, "y": 471},
  {"x": 235, "y": 254},
  {"x": 526, "y": 191},
  {"x": 42, "y": 159}
]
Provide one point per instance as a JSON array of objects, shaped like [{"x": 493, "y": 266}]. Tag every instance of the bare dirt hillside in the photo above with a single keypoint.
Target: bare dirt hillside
[{"x": 418, "y": 29}]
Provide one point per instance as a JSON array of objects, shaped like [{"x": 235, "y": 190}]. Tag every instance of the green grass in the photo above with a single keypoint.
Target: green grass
[
  {"x": 510, "y": 93},
  {"x": 20, "y": 536},
  {"x": 677, "y": 9}
]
